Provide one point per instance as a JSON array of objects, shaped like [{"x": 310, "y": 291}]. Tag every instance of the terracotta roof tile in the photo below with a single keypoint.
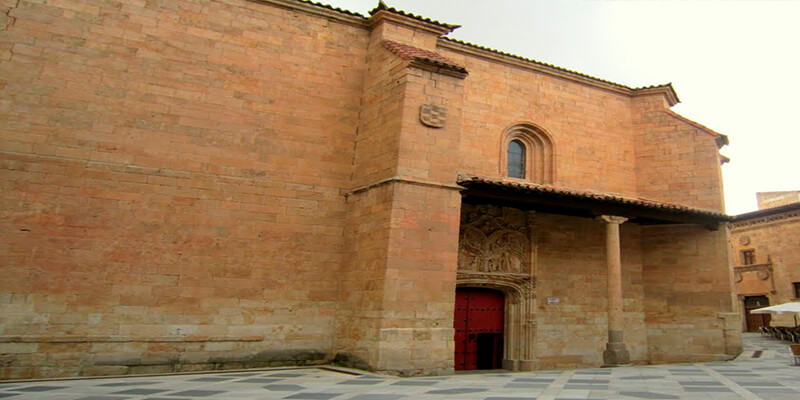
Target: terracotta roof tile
[
  {"x": 535, "y": 188},
  {"x": 407, "y": 52}
]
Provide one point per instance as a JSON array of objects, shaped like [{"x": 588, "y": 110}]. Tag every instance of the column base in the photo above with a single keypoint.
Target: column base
[{"x": 616, "y": 354}]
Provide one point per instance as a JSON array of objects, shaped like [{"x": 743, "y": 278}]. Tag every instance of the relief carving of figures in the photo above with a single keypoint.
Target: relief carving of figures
[{"x": 494, "y": 239}]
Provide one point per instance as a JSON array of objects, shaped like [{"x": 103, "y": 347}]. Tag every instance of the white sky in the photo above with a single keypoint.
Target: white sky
[{"x": 734, "y": 64}]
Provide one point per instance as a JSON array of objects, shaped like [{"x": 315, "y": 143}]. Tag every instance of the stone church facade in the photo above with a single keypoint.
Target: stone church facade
[{"x": 195, "y": 184}]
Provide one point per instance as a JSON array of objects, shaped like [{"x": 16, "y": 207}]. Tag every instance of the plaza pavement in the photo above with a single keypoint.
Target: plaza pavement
[{"x": 763, "y": 371}]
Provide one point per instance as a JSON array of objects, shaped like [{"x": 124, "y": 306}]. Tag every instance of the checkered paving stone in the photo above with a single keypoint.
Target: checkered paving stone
[
  {"x": 770, "y": 377},
  {"x": 103, "y": 398}
]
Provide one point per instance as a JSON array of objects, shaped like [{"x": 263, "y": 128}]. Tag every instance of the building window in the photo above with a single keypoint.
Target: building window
[
  {"x": 796, "y": 287},
  {"x": 527, "y": 152},
  {"x": 516, "y": 159},
  {"x": 748, "y": 257}
]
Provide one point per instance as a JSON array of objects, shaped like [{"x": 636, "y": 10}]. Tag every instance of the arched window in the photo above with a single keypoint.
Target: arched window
[
  {"x": 527, "y": 152},
  {"x": 516, "y": 159}
]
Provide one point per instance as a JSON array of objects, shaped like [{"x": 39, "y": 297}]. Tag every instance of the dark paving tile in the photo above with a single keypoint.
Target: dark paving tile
[
  {"x": 685, "y": 370},
  {"x": 212, "y": 379},
  {"x": 586, "y": 387},
  {"x": 245, "y": 374},
  {"x": 287, "y": 375},
  {"x": 284, "y": 387},
  {"x": 456, "y": 391},
  {"x": 4, "y": 395},
  {"x": 705, "y": 389},
  {"x": 104, "y": 398},
  {"x": 588, "y": 381},
  {"x": 774, "y": 390},
  {"x": 701, "y": 383},
  {"x": 167, "y": 398},
  {"x": 259, "y": 380},
  {"x": 738, "y": 374},
  {"x": 314, "y": 396},
  {"x": 543, "y": 380},
  {"x": 142, "y": 391},
  {"x": 527, "y": 385},
  {"x": 509, "y": 398},
  {"x": 197, "y": 393},
  {"x": 38, "y": 388},
  {"x": 757, "y": 383},
  {"x": 134, "y": 383},
  {"x": 649, "y": 395},
  {"x": 361, "y": 382},
  {"x": 415, "y": 383},
  {"x": 642, "y": 377},
  {"x": 378, "y": 397}
]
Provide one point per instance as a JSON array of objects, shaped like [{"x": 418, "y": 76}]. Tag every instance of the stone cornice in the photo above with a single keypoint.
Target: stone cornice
[
  {"x": 767, "y": 218},
  {"x": 754, "y": 267}
]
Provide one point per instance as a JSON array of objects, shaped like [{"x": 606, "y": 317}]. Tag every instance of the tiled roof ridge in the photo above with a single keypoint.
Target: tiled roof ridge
[
  {"x": 544, "y": 188},
  {"x": 383, "y": 7},
  {"x": 562, "y": 69},
  {"x": 723, "y": 138},
  {"x": 544, "y": 64}
]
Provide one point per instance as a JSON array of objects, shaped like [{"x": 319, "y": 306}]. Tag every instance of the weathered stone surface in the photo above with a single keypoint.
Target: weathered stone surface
[{"x": 261, "y": 192}]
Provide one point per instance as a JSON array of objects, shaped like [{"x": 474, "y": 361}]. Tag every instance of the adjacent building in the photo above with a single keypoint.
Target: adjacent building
[
  {"x": 766, "y": 254},
  {"x": 207, "y": 184}
]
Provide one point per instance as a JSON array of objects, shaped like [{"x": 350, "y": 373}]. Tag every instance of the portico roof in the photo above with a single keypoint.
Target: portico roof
[{"x": 582, "y": 203}]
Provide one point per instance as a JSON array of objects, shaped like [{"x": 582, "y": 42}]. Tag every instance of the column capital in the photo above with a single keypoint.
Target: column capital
[{"x": 612, "y": 219}]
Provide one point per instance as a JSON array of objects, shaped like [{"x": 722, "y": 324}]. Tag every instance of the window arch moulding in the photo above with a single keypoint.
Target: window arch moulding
[{"x": 539, "y": 154}]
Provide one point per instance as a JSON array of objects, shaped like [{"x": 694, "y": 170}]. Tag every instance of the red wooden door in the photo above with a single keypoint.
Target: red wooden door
[{"x": 478, "y": 327}]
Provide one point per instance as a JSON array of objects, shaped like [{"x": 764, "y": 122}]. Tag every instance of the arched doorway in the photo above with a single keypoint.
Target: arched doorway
[
  {"x": 754, "y": 321},
  {"x": 479, "y": 326}
]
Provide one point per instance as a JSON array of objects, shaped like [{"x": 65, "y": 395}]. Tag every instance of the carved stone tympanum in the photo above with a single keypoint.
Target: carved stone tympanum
[{"x": 494, "y": 239}]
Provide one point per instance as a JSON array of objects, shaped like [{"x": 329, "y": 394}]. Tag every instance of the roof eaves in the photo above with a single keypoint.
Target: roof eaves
[
  {"x": 426, "y": 59},
  {"x": 767, "y": 212},
  {"x": 552, "y": 190}
]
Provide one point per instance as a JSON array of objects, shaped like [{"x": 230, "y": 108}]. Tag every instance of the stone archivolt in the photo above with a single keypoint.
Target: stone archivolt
[{"x": 495, "y": 252}]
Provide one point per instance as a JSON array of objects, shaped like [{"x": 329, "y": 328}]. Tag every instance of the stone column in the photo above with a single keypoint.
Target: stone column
[{"x": 615, "y": 353}]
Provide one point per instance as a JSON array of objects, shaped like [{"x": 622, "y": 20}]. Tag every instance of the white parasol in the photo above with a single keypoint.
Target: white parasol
[{"x": 785, "y": 308}]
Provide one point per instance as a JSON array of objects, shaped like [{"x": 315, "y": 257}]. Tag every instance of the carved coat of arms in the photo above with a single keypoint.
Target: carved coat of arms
[{"x": 432, "y": 116}]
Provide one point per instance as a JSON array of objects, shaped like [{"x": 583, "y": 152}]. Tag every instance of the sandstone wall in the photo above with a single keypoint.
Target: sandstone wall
[
  {"x": 675, "y": 161},
  {"x": 590, "y": 127},
  {"x": 777, "y": 246},
  {"x": 688, "y": 301},
  {"x": 172, "y": 175},
  {"x": 571, "y": 265}
]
